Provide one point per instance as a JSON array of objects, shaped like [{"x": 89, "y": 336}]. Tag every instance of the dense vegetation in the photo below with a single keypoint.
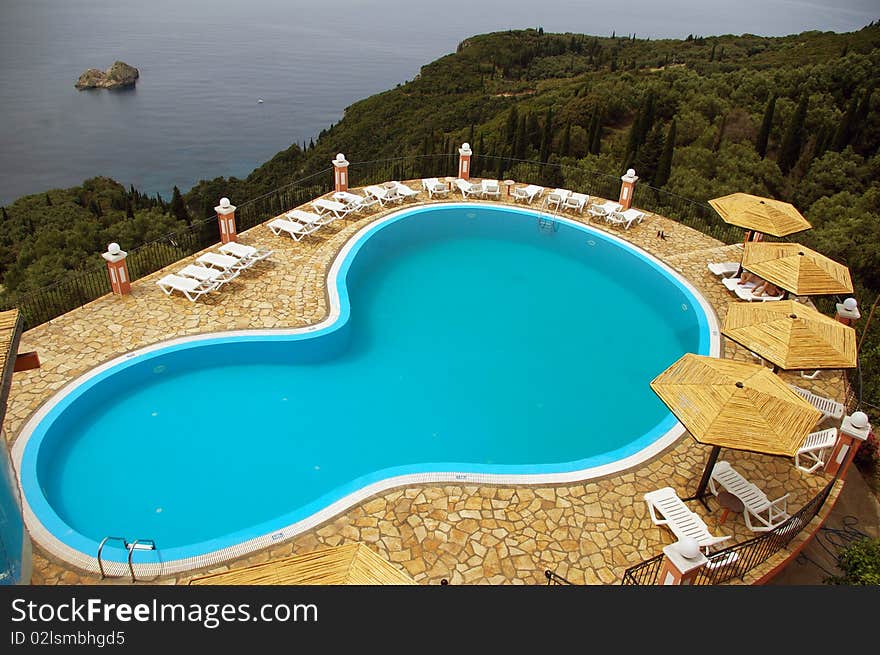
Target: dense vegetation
[{"x": 795, "y": 118}]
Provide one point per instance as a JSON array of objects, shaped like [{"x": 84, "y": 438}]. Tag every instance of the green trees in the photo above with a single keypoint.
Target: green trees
[
  {"x": 547, "y": 136},
  {"x": 766, "y": 125},
  {"x": 664, "y": 166},
  {"x": 792, "y": 140},
  {"x": 178, "y": 208}
]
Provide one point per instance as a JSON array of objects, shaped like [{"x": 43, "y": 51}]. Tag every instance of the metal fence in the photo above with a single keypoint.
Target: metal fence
[{"x": 737, "y": 560}]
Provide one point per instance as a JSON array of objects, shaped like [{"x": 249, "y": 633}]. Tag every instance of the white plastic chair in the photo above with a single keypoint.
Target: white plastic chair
[
  {"x": 249, "y": 254},
  {"x": 435, "y": 187},
  {"x": 829, "y": 408},
  {"x": 761, "y": 513},
  {"x": 723, "y": 269},
  {"x": 555, "y": 198},
  {"x": 405, "y": 192},
  {"x": 527, "y": 193},
  {"x": 469, "y": 189},
  {"x": 295, "y": 230},
  {"x": 208, "y": 274},
  {"x": 576, "y": 201},
  {"x": 190, "y": 287},
  {"x": 666, "y": 508},
  {"x": 815, "y": 449},
  {"x": 491, "y": 188}
]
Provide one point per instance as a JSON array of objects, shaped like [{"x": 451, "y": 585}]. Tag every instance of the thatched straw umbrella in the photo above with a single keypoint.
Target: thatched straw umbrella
[
  {"x": 797, "y": 269},
  {"x": 791, "y": 335},
  {"x": 730, "y": 404},
  {"x": 349, "y": 564},
  {"x": 758, "y": 214}
]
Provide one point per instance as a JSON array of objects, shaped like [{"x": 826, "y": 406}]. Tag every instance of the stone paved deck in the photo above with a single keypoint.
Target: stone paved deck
[{"x": 589, "y": 532}]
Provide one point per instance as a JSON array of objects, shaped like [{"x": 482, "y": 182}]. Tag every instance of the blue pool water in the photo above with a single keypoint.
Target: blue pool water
[{"x": 475, "y": 341}]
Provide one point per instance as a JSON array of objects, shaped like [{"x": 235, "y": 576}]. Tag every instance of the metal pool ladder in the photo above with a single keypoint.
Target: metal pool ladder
[{"x": 130, "y": 546}]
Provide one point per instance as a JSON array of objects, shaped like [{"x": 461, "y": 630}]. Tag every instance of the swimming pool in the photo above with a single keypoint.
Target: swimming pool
[{"x": 465, "y": 343}]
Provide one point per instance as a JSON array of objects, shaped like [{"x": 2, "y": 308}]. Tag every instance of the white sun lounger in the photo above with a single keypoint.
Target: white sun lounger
[
  {"x": 527, "y": 193},
  {"x": 405, "y": 192},
  {"x": 666, "y": 508},
  {"x": 353, "y": 201},
  {"x": 337, "y": 209},
  {"x": 829, "y": 408},
  {"x": 630, "y": 217},
  {"x": 295, "y": 230},
  {"x": 310, "y": 220},
  {"x": 208, "y": 274},
  {"x": 491, "y": 188},
  {"x": 732, "y": 284},
  {"x": 556, "y": 197},
  {"x": 761, "y": 513},
  {"x": 749, "y": 295},
  {"x": 604, "y": 209},
  {"x": 190, "y": 287},
  {"x": 815, "y": 449},
  {"x": 221, "y": 262},
  {"x": 723, "y": 269},
  {"x": 435, "y": 187},
  {"x": 576, "y": 201},
  {"x": 248, "y": 253},
  {"x": 469, "y": 188},
  {"x": 384, "y": 195}
]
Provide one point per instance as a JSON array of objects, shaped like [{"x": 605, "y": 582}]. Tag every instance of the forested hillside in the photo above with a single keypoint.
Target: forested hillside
[{"x": 795, "y": 118}]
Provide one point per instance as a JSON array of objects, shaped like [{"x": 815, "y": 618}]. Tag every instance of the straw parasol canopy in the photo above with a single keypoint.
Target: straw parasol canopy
[
  {"x": 796, "y": 268},
  {"x": 349, "y": 564},
  {"x": 759, "y": 214},
  {"x": 739, "y": 405},
  {"x": 791, "y": 335}
]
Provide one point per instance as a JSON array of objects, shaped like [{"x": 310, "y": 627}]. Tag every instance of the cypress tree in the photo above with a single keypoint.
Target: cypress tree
[
  {"x": 520, "y": 142},
  {"x": 95, "y": 208},
  {"x": 843, "y": 135},
  {"x": 48, "y": 200},
  {"x": 595, "y": 134},
  {"x": 471, "y": 136},
  {"x": 766, "y": 125},
  {"x": 510, "y": 129},
  {"x": 648, "y": 158},
  {"x": 712, "y": 54},
  {"x": 792, "y": 141},
  {"x": 861, "y": 116},
  {"x": 129, "y": 210},
  {"x": 499, "y": 162},
  {"x": 565, "y": 145},
  {"x": 5, "y": 215},
  {"x": 533, "y": 131},
  {"x": 664, "y": 166},
  {"x": 719, "y": 136},
  {"x": 547, "y": 136},
  {"x": 178, "y": 207}
]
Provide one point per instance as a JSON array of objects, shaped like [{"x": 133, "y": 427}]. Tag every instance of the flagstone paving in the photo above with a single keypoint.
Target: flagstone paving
[{"x": 589, "y": 532}]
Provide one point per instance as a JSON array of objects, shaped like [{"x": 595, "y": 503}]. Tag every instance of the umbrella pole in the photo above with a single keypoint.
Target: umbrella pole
[{"x": 704, "y": 481}]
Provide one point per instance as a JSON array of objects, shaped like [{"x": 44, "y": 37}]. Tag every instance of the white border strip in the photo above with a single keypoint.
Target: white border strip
[{"x": 61, "y": 550}]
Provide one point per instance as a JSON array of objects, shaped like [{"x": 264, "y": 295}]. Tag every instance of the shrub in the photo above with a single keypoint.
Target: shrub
[{"x": 860, "y": 563}]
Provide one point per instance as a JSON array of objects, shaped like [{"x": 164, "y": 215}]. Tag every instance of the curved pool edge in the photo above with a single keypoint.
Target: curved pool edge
[{"x": 337, "y": 315}]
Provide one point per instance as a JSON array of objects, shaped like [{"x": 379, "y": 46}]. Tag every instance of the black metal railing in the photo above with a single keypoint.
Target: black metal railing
[
  {"x": 42, "y": 305},
  {"x": 737, "y": 560},
  {"x": 555, "y": 578}
]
